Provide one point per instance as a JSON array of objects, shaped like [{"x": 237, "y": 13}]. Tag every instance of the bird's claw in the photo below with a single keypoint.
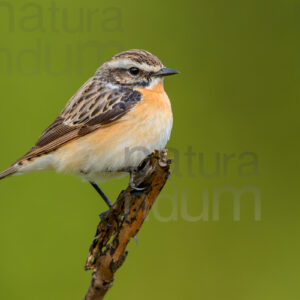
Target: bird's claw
[
  {"x": 131, "y": 182},
  {"x": 102, "y": 218},
  {"x": 134, "y": 187}
]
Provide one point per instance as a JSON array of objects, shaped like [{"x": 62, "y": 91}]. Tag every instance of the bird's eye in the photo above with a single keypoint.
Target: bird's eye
[{"x": 134, "y": 71}]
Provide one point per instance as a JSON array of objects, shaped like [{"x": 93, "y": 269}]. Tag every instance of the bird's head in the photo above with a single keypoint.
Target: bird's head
[{"x": 133, "y": 68}]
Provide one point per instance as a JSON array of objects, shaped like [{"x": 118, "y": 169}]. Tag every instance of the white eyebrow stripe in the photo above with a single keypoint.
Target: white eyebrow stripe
[{"x": 126, "y": 64}]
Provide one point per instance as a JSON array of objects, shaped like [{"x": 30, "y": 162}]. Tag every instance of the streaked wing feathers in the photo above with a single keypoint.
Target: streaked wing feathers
[{"x": 91, "y": 107}]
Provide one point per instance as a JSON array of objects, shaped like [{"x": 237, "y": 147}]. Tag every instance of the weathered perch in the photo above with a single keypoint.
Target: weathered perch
[{"x": 108, "y": 250}]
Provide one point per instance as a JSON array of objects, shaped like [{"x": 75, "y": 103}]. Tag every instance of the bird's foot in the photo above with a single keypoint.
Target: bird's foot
[
  {"x": 103, "y": 218},
  {"x": 131, "y": 182}
]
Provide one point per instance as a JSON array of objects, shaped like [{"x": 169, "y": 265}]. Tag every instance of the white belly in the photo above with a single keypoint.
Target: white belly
[{"x": 108, "y": 158}]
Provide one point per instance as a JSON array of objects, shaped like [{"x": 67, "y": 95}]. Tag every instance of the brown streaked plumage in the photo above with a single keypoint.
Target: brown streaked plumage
[{"x": 121, "y": 107}]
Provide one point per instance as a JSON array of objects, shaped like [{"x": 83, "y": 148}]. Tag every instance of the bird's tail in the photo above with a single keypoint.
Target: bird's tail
[{"x": 10, "y": 171}]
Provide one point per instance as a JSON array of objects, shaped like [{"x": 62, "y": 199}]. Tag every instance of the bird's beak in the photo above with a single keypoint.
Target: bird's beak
[{"x": 165, "y": 72}]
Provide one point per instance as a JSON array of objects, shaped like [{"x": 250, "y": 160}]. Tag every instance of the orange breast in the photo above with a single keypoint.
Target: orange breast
[{"x": 156, "y": 98}]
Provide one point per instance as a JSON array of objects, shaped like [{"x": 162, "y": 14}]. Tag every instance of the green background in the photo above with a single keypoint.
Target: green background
[{"x": 237, "y": 93}]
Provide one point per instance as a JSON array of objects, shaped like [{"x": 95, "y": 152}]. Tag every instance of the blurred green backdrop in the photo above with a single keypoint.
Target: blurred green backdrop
[{"x": 236, "y": 113}]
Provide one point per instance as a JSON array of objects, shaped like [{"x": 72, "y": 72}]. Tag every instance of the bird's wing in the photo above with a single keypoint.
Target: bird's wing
[{"x": 92, "y": 107}]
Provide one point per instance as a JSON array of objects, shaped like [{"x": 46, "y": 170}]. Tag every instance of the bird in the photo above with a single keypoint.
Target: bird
[{"x": 112, "y": 123}]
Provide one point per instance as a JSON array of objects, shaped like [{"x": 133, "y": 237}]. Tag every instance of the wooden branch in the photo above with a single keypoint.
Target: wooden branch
[{"x": 108, "y": 250}]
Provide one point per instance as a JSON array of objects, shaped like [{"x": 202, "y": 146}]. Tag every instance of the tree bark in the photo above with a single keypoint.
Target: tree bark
[{"x": 123, "y": 221}]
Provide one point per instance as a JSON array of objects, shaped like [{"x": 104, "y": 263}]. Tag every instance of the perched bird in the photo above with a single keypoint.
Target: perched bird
[{"x": 109, "y": 126}]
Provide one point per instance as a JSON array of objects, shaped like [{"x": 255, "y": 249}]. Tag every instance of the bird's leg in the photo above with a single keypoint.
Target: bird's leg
[
  {"x": 107, "y": 201},
  {"x": 103, "y": 196}
]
